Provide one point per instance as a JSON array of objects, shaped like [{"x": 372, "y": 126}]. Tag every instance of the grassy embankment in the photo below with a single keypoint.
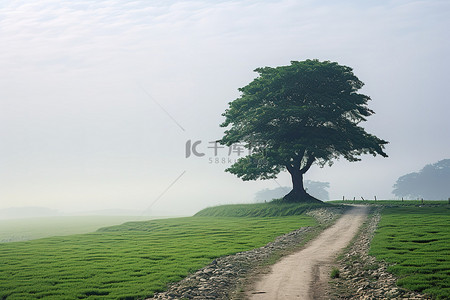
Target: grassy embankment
[{"x": 137, "y": 259}]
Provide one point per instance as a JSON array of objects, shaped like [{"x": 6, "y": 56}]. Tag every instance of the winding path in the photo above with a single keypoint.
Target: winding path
[{"x": 303, "y": 274}]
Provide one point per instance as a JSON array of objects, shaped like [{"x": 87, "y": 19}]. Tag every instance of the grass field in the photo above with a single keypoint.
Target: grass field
[
  {"x": 34, "y": 228},
  {"x": 132, "y": 260},
  {"x": 393, "y": 202},
  {"x": 417, "y": 240}
]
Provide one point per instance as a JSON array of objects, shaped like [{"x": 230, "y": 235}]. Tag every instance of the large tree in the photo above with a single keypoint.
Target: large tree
[{"x": 291, "y": 117}]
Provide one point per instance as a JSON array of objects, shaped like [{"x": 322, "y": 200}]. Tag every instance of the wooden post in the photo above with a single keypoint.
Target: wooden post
[
  {"x": 402, "y": 199},
  {"x": 375, "y": 198},
  {"x": 343, "y": 198},
  {"x": 362, "y": 198},
  {"x": 354, "y": 199}
]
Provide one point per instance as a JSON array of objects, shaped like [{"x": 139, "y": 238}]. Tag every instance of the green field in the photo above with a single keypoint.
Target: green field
[
  {"x": 132, "y": 260},
  {"x": 417, "y": 241},
  {"x": 393, "y": 202},
  {"x": 34, "y": 228}
]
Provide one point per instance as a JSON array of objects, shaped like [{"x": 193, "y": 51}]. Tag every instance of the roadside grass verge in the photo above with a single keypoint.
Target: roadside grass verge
[
  {"x": 416, "y": 240},
  {"x": 133, "y": 260}
]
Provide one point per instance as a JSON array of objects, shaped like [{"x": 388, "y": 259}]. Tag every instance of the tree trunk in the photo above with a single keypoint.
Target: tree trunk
[{"x": 298, "y": 193}]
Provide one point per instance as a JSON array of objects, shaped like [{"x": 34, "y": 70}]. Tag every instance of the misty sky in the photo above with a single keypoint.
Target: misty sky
[{"x": 98, "y": 98}]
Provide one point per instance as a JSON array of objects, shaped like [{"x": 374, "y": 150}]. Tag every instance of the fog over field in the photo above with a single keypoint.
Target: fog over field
[{"x": 99, "y": 101}]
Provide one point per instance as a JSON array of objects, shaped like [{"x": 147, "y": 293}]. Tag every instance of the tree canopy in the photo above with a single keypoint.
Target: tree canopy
[
  {"x": 294, "y": 116},
  {"x": 432, "y": 182}
]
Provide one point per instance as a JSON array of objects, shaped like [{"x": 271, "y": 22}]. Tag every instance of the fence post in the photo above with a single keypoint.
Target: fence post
[{"x": 375, "y": 198}]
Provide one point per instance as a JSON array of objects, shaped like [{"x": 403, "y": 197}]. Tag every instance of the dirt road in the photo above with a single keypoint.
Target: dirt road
[{"x": 304, "y": 274}]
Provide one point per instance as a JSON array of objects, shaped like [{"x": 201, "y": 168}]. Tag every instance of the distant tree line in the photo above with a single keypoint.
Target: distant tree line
[{"x": 432, "y": 182}]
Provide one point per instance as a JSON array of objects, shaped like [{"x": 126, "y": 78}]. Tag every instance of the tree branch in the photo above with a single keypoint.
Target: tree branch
[
  {"x": 298, "y": 159},
  {"x": 308, "y": 165},
  {"x": 290, "y": 168}
]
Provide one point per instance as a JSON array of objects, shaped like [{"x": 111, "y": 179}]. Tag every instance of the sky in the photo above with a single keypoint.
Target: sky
[{"x": 99, "y": 99}]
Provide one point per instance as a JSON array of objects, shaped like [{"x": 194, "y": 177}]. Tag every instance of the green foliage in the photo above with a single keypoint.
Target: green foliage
[
  {"x": 129, "y": 261},
  {"x": 292, "y": 116},
  {"x": 416, "y": 239},
  {"x": 335, "y": 273},
  {"x": 271, "y": 209}
]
